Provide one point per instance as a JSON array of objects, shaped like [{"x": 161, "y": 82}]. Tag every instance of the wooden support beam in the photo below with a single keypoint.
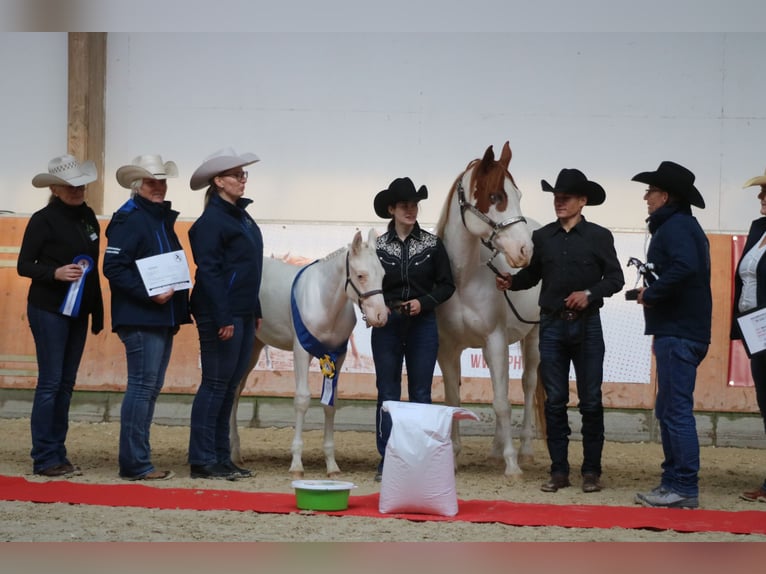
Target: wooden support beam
[{"x": 86, "y": 106}]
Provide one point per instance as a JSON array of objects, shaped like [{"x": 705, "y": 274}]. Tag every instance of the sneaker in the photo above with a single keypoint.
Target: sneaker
[
  {"x": 754, "y": 495},
  {"x": 667, "y": 499}
]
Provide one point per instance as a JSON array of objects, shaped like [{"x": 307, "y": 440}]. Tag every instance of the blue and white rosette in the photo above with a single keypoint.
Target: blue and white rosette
[{"x": 71, "y": 305}]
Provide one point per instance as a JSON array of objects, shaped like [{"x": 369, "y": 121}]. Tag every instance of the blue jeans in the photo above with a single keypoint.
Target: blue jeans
[
  {"x": 414, "y": 341},
  {"x": 224, "y": 363},
  {"x": 677, "y": 361},
  {"x": 581, "y": 343},
  {"x": 148, "y": 353},
  {"x": 59, "y": 343}
]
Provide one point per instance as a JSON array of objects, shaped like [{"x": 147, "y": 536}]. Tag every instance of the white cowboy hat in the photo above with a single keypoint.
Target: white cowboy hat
[
  {"x": 148, "y": 165},
  {"x": 66, "y": 170},
  {"x": 758, "y": 180},
  {"x": 218, "y": 162}
]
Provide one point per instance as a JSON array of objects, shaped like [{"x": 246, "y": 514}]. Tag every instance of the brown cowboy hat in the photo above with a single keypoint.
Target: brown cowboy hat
[
  {"x": 401, "y": 189},
  {"x": 674, "y": 179},
  {"x": 574, "y": 182}
]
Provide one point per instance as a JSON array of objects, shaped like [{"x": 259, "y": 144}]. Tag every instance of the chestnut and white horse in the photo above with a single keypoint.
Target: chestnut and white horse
[
  {"x": 324, "y": 296},
  {"x": 480, "y": 219}
]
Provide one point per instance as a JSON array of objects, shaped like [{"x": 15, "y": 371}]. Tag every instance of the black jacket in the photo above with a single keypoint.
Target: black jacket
[
  {"x": 138, "y": 229},
  {"x": 54, "y": 236},
  {"x": 227, "y": 246},
  {"x": 757, "y": 229}
]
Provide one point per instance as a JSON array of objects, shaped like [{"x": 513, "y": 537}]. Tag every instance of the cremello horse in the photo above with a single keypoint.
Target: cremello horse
[
  {"x": 325, "y": 294},
  {"x": 483, "y": 208}
]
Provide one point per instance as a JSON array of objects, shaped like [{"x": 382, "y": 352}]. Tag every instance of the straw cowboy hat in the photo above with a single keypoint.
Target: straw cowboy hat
[
  {"x": 758, "y": 180},
  {"x": 149, "y": 166},
  {"x": 401, "y": 189},
  {"x": 66, "y": 170},
  {"x": 674, "y": 179},
  {"x": 220, "y": 161},
  {"x": 573, "y": 182}
]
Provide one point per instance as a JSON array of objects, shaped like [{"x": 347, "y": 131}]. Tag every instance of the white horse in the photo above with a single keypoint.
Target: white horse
[
  {"x": 324, "y": 294},
  {"x": 483, "y": 208}
]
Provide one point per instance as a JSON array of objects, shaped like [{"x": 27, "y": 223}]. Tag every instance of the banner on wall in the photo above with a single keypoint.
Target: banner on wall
[
  {"x": 739, "y": 364},
  {"x": 628, "y": 350}
]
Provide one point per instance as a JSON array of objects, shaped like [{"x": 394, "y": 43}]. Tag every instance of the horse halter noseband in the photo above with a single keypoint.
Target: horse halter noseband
[
  {"x": 488, "y": 243},
  {"x": 496, "y": 227},
  {"x": 360, "y": 297}
]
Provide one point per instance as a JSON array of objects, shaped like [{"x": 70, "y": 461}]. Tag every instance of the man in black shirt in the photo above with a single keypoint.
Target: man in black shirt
[{"x": 578, "y": 266}]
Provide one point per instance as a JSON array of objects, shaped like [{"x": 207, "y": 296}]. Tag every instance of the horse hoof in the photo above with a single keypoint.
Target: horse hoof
[
  {"x": 513, "y": 477},
  {"x": 333, "y": 475},
  {"x": 297, "y": 474},
  {"x": 526, "y": 459}
]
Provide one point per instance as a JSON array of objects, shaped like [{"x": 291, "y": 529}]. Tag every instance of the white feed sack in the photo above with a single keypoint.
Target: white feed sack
[{"x": 419, "y": 469}]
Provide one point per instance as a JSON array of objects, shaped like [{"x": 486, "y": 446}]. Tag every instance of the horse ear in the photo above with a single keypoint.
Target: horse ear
[
  {"x": 372, "y": 237},
  {"x": 356, "y": 244},
  {"x": 505, "y": 156}
]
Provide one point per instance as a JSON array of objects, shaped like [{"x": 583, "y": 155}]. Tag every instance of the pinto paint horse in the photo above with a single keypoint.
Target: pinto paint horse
[
  {"x": 324, "y": 296},
  {"x": 481, "y": 219}
]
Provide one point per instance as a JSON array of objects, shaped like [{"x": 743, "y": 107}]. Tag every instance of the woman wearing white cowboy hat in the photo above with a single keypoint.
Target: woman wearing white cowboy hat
[
  {"x": 143, "y": 227},
  {"x": 749, "y": 294},
  {"x": 60, "y": 253},
  {"x": 228, "y": 249}
]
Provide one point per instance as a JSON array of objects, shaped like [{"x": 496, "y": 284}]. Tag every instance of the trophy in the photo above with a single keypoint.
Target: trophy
[{"x": 645, "y": 273}]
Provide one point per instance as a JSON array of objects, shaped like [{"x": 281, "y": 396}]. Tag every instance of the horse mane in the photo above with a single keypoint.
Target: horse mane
[{"x": 334, "y": 254}]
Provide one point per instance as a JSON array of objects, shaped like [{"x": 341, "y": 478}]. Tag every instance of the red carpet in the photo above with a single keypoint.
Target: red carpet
[{"x": 504, "y": 512}]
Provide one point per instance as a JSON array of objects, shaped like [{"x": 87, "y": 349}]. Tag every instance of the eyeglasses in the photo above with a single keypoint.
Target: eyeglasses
[{"x": 239, "y": 176}]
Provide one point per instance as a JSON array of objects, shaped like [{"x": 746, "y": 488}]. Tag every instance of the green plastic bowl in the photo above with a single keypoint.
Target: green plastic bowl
[{"x": 322, "y": 494}]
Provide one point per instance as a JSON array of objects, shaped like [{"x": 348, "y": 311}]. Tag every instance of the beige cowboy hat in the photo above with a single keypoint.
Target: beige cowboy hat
[
  {"x": 758, "y": 180},
  {"x": 218, "y": 162},
  {"x": 149, "y": 166},
  {"x": 66, "y": 170}
]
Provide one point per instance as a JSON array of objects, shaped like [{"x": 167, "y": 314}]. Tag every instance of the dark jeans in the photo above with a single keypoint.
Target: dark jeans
[
  {"x": 581, "y": 343},
  {"x": 59, "y": 342},
  {"x": 410, "y": 340},
  {"x": 223, "y": 365},
  {"x": 758, "y": 370},
  {"x": 148, "y": 354},
  {"x": 677, "y": 361}
]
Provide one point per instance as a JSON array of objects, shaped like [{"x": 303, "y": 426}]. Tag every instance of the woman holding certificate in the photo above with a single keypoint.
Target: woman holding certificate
[
  {"x": 146, "y": 323},
  {"x": 228, "y": 249},
  {"x": 750, "y": 294},
  {"x": 59, "y": 253}
]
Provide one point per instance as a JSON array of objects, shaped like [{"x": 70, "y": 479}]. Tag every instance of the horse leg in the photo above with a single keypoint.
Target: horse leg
[
  {"x": 301, "y": 401},
  {"x": 496, "y": 355},
  {"x": 236, "y": 452},
  {"x": 530, "y": 352},
  {"x": 449, "y": 363},
  {"x": 333, "y": 471}
]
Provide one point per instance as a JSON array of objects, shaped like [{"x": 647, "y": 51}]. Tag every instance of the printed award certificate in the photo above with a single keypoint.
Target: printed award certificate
[
  {"x": 162, "y": 272},
  {"x": 753, "y": 327}
]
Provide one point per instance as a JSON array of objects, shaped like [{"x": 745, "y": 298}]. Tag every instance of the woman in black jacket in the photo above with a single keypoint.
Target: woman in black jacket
[
  {"x": 59, "y": 253},
  {"x": 146, "y": 324},
  {"x": 749, "y": 294},
  {"x": 228, "y": 250}
]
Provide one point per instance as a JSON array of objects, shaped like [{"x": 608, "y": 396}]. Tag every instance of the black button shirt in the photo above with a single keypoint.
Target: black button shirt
[{"x": 581, "y": 259}]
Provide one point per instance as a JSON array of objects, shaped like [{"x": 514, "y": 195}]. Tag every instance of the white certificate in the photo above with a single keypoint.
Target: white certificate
[
  {"x": 753, "y": 327},
  {"x": 165, "y": 271}
]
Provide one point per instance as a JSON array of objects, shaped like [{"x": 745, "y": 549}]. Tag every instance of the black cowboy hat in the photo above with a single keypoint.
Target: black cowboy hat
[
  {"x": 574, "y": 182},
  {"x": 401, "y": 189},
  {"x": 674, "y": 179}
]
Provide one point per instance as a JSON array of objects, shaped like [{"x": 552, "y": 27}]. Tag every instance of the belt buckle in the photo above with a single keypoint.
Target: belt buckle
[{"x": 569, "y": 315}]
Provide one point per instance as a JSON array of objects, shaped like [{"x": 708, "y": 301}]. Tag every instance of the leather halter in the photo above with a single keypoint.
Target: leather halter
[
  {"x": 496, "y": 227},
  {"x": 360, "y": 297}
]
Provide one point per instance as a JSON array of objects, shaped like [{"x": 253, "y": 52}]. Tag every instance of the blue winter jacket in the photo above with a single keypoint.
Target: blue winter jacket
[
  {"x": 138, "y": 229},
  {"x": 679, "y": 303},
  {"x": 227, "y": 246}
]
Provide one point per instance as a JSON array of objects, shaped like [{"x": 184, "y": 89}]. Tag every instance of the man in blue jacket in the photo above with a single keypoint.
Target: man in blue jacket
[{"x": 677, "y": 310}]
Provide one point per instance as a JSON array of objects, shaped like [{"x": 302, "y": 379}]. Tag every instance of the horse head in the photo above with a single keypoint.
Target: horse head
[
  {"x": 490, "y": 207},
  {"x": 364, "y": 274}
]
